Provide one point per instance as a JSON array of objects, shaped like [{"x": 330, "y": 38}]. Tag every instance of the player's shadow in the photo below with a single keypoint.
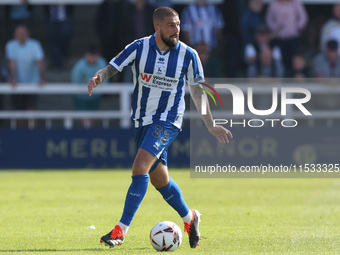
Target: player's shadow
[
  {"x": 49, "y": 250},
  {"x": 64, "y": 250}
]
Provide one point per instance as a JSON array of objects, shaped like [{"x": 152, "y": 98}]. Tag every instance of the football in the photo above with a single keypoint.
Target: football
[{"x": 166, "y": 236}]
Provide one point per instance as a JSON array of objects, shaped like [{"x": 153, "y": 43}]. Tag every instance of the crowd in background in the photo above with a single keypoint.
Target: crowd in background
[{"x": 238, "y": 38}]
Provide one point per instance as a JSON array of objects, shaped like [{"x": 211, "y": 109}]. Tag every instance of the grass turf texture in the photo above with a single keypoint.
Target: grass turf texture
[{"x": 48, "y": 212}]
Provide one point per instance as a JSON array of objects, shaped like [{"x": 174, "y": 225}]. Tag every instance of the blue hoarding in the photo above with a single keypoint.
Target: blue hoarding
[
  {"x": 113, "y": 148},
  {"x": 92, "y": 148}
]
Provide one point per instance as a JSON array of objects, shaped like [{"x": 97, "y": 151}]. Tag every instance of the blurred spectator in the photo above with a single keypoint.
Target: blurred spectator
[
  {"x": 265, "y": 66},
  {"x": 300, "y": 67},
  {"x": 25, "y": 56},
  {"x": 318, "y": 15},
  {"x": 231, "y": 49},
  {"x": 327, "y": 63},
  {"x": 26, "y": 65},
  {"x": 211, "y": 64},
  {"x": 287, "y": 18},
  {"x": 18, "y": 14},
  {"x": 262, "y": 41},
  {"x": 160, "y": 3},
  {"x": 138, "y": 23},
  {"x": 4, "y": 73},
  {"x": 202, "y": 22},
  {"x": 4, "y": 77},
  {"x": 60, "y": 30},
  {"x": 331, "y": 30},
  {"x": 251, "y": 20},
  {"x": 109, "y": 26},
  {"x": 81, "y": 73}
]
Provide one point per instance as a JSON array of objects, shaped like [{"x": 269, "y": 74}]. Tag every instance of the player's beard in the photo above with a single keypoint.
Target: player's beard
[{"x": 170, "y": 41}]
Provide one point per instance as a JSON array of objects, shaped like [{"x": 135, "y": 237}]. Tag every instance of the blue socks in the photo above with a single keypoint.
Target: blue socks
[
  {"x": 173, "y": 196},
  {"x": 134, "y": 197}
]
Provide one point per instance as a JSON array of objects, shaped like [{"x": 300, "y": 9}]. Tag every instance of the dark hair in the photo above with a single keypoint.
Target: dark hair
[
  {"x": 299, "y": 55},
  {"x": 332, "y": 44},
  {"x": 262, "y": 29},
  {"x": 92, "y": 49},
  {"x": 254, "y": 1},
  {"x": 22, "y": 25},
  {"x": 160, "y": 13}
]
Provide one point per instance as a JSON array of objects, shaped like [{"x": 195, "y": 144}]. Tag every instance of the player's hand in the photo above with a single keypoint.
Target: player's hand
[
  {"x": 221, "y": 133},
  {"x": 93, "y": 82}
]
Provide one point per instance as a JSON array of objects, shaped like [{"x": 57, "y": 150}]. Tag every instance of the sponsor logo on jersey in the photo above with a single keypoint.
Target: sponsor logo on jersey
[{"x": 146, "y": 77}]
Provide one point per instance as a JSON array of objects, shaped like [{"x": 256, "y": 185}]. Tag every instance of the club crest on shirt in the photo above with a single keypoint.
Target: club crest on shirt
[{"x": 160, "y": 69}]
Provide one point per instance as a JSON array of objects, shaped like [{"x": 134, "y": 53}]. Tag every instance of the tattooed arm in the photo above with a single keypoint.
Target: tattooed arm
[
  {"x": 101, "y": 76},
  {"x": 219, "y": 132},
  {"x": 196, "y": 95}
]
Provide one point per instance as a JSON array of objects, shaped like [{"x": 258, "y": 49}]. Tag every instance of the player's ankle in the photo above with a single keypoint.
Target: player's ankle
[
  {"x": 187, "y": 218},
  {"x": 124, "y": 227}
]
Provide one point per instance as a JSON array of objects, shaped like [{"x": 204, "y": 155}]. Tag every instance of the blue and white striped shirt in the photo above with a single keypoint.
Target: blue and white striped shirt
[
  {"x": 202, "y": 23},
  {"x": 159, "y": 79}
]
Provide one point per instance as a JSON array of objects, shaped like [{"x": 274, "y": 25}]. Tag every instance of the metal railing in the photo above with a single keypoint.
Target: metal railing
[{"x": 124, "y": 91}]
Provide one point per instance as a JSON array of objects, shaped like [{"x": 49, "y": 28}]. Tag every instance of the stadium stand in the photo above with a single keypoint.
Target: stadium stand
[{"x": 84, "y": 34}]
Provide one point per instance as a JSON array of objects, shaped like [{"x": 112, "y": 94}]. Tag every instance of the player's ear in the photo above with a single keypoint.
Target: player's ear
[{"x": 157, "y": 27}]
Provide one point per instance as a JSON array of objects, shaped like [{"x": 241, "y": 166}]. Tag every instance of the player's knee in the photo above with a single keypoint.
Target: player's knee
[
  {"x": 159, "y": 183},
  {"x": 143, "y": 162},
  {"x": 139, "y": 170}
]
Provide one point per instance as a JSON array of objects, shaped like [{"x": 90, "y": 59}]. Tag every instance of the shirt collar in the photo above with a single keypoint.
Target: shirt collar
[{"x": 153, "y": 44}]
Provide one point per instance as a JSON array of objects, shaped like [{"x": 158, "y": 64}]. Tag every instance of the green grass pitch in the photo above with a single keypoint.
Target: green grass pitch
[{"x": 49, "y": 212}]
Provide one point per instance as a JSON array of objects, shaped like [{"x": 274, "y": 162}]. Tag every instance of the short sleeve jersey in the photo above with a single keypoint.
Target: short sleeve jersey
[{"x": 159, "y": 79}]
